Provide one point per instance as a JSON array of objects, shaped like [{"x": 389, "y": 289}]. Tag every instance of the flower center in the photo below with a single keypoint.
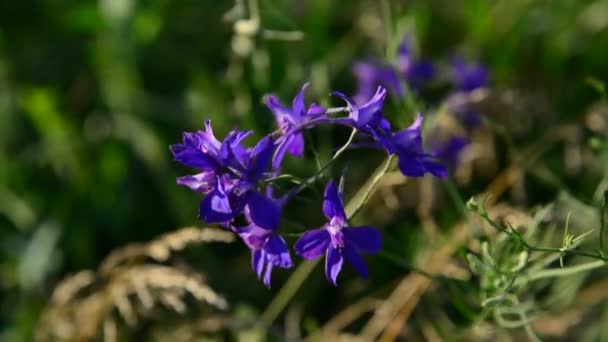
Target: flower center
[{"x": 334, "y": 227}]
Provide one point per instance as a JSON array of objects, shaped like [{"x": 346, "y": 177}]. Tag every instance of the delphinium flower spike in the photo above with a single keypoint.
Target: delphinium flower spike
[{"x": 338, "y": 241}]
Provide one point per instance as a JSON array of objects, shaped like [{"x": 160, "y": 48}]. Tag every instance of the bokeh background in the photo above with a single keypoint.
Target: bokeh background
[{"x": 92, "y": 93}]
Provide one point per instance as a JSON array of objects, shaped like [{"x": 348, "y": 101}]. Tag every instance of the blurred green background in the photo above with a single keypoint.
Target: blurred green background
[{"x": 92, "y": 93}]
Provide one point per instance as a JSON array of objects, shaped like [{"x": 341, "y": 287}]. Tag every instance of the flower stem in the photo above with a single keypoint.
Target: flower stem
[
  {"x": 566, "y": 271},
  {"x": 311, "y": 180}
]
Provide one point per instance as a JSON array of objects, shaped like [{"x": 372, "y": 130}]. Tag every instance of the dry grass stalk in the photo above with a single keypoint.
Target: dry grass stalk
[{"x": 125, "y": 289}]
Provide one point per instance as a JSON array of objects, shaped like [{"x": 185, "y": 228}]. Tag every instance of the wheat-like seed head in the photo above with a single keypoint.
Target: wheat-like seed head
[{"x": 127, "y": 289}]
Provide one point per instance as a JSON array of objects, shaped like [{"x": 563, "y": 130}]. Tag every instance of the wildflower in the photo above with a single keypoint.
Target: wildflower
[
  {"x": 287, "y": 119},
  {"x": 337, "y": 241},
  {"x": 369, "y": 75},
  {"x": 469, "y": 77},
  {"x": 407, "y": 145},
  {"x": 268, "y": 248},
  {"x": 415, "y": 72},
  {"x": 229, "y": 172},
  {"x": 450, "y": 151},
  {"x": 367, "y": 117}
]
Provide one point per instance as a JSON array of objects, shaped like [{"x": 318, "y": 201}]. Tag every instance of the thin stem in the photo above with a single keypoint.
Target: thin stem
[
  {"x": 455, "y": 196},
  {"x": 530, "y": 247},
  {"x": 292, "y": 36},
  {"x": 312, "y": 148},
  {"x": 288, "y": 291},
  {"x": 352, "y": 212},
  {"x": 603, "y": 220},
  {"x": 308, "y": 182},
  {"x": 388, "y": 25},
  {"x": 294, "y": 179},
  {"x": 565, "y": 271}
]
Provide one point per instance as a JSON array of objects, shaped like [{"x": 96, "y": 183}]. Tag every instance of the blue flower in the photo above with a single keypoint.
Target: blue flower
[
  {"x": 288, "y": 118},
  {"x": 369, "y": 75},
  {"x": 229, "y": 172},
  {"x": 407, "y": 145},
  {"x": 337, "y": 241},
  {"x": 268, "y": 248},
  {"x": 450, "y": 151},
  {"x": 416, "y": 72},
  {"x": 469, "y": 77},
  {"x": 367, "y": 116}
]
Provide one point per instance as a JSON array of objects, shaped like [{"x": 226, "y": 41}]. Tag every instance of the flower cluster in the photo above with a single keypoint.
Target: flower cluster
[
  {"x": 237, "y": 182},
  {"x": 415, "y": 73}
]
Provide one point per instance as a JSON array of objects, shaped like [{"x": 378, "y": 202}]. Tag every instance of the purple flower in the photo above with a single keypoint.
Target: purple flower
[
  {"x": 268, "y": 249},
  {"x": 368, "y": 116},
  {"x": 229, "y": 172},
  {"x": 416, "y": 73},
  {"x": 469, "y": 77},
  {"x": 288, "y": 118},
  {"x": 407, "y": 145},
  {"x": 370, "y": 75},
  {"x": 337, "y": 241},
  {"x": 450, "y": 151}
]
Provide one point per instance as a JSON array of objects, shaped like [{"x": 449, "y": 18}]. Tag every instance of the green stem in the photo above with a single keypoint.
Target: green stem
[
  {"x": 566, "y": 271},
  {"x": 359, "y": 200},
  {"x": 388, "y": 26},
  {"x": 533, "y": 248},
  {"x": 602, "y": 220},
  {"x": 310, "y": 181},
  {"x": 288, "y": 291}
]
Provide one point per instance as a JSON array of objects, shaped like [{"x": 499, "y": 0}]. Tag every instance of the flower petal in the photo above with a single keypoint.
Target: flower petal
[
  {"x": 371, "y": 112},
  {"x": 295, "y": 145},
  {"x": 253, "y": 236},
  {"x": 279, "y": 153},
  {"x": 260, "y": 158},
  {"x": 215, "y": 207},
  {"x": 275, "y": 106},
  {"x": 353, "y": 109},
  {"x": 355, "y": 260},
  {"x": 419, "y": 73},
  {"x": 312, "y": 244},
  {"x": 435, "y": 167},
  {"x": 364, "y": 239},
  {"x": 268, "y": 274},
  {"x": 298, "y": 108},
  {"x": 332, "y": 202},
  {"x": 411, "y": 138},
  {"x": 192, "y": 157},
  {"x": 411, "y": 166},
  {"x": 333, "y": 264},
  {"x": 202, "y": 182},
  {"x": 277, "y": 252},
  {"x": 257, "y": 262},
  {"x": 263, "y": 211},
  {"x": 315, "y": 111}
]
